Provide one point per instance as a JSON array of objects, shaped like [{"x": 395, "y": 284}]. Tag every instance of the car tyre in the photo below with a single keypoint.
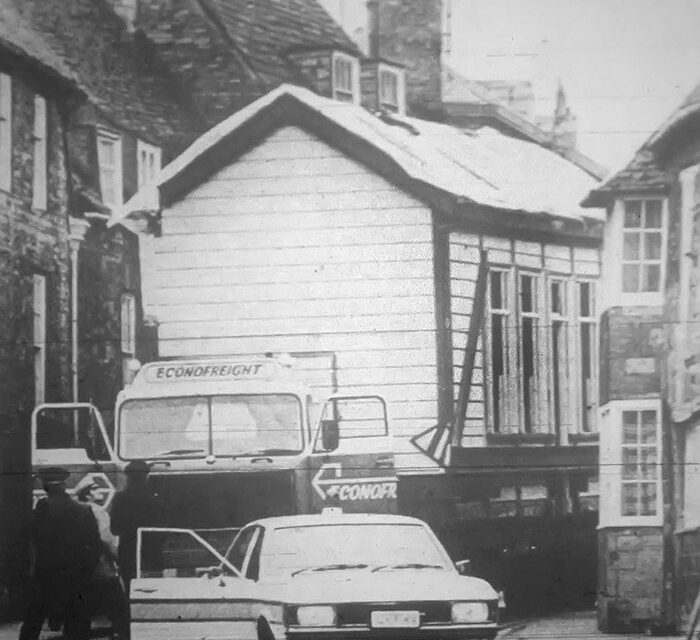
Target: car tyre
[{"x": 264, "y": 631}]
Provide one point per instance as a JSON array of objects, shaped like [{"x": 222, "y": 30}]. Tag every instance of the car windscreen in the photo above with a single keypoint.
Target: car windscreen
[
  {"x": 222, "y": 425},
  {"x": 292, "y": 550}
]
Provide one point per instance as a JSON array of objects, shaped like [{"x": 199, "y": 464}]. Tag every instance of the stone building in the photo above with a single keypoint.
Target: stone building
[{"x": 649, "y": 509}]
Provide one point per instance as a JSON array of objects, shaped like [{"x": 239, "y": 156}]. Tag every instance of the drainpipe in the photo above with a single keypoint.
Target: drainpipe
[{"x": 76, "y": 234}]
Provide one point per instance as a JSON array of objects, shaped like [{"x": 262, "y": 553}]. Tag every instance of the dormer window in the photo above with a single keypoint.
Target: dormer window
[
  {"x": 391, "y": 89},
  {"x": 109, "y": 158},
  {"x": 346, "y": 75}
]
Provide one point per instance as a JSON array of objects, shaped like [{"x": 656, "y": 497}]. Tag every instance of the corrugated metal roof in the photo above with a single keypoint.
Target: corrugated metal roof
[{"x": 483, "y": 166}]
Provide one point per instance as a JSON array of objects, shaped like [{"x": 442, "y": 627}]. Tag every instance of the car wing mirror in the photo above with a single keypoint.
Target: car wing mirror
[
  {"x": 464, "y": 567},
  {"x": 330, "y": 435},
  {"x": 210, "y": 572}
]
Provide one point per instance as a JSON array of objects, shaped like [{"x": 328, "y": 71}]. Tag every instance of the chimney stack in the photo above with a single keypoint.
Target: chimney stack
[{"x": 373, "y": 28}]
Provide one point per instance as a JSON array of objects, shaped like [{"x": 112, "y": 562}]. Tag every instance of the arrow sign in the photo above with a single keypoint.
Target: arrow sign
[{"x": 349, "y": 488}]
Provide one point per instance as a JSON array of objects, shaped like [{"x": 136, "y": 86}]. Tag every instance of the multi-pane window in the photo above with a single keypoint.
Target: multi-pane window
[
  {"x": 148, "y": 160},
  {"x": 128, "y": 322},
  {"x": 560, "y": 392},
  {"x": 5, "y": 132},
  {"x": 39, "y": 336},
  {"x": 541, "y": 353},
  {"x": 530, "y": 350},
  {"x": 643, "y": 250},
  {"x": 109, "y": 157},
  {"x": 39, "y": 181},
  {"x": 588, "y": 347},
  {"x": 389, "y": 89},
  {"x": 345, "y": 77},
  {"x": 640, "y": 463},
  {"x": 499, "y": 351}
]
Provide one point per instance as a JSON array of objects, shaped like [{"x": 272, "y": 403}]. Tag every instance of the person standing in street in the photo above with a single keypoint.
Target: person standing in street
[
  {"x": 107, "y": 592},
  {"x": 136, "y": 506},
  {"x": 66, "y": 547}
]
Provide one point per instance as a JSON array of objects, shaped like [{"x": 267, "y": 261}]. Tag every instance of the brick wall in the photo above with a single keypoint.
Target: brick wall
[
  {"x": 31, "y": 242},
  {"x": 410, "y": 32},
  {"x": 630, "y": 577}
]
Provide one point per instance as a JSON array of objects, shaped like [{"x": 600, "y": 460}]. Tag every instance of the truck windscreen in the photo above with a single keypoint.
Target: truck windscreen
[{"x": 221, "y": 425}]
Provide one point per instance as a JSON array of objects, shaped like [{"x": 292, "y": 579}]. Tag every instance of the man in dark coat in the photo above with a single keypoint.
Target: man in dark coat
[
  {"x": 66, "y": 545},
  {"x": 136, "y": 506}
]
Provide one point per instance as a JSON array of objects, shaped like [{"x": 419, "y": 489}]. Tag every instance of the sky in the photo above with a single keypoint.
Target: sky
[{"x": 624, "y": 64}]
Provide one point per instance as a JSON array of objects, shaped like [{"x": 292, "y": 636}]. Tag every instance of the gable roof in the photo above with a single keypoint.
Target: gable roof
[
  {"x": 482, "y": 167},
  {"x": 689, "y": 108}
]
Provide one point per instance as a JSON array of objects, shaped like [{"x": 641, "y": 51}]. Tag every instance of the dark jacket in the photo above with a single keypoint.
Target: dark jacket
[
  {"x": 135, "y": 507},
  {"x": 65, "y": 536}
]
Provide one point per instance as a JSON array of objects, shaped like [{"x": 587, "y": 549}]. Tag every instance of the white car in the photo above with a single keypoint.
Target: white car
[{"x": 310, "y": 576}]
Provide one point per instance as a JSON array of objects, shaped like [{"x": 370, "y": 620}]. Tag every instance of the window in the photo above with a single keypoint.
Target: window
[
  {"x": 345, "y": 78},
  {"x": 391, "y": 89},
  {"x": 39, "y": 337},
  {"x": 588, "y": 352},
  {"x": 238, "y": 551},
  {"x": 643, "y": 246},
  {"x": 39, "y": 181},
  {"x": 128, "y": 321},
  {"x": 5, "y": 132},
  {"x": 540, "y": 353},
  {"x": 148, "y": 159},
  {"x": 640, "y": 460},
  {"x": 109, "y": 157}
]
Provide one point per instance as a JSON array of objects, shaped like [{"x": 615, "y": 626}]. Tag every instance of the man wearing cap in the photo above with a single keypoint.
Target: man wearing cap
[
  {"x": 66, "y": 545},
  {"x": 135, "y": 506}
]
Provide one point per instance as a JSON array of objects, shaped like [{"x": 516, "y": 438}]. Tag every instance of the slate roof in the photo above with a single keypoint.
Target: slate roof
[
  {"x": 484, "y": 166},
  {"x": 109, "y": 66},
  {"x": 641, "y": 175},
  {"x": 265, "y": 29}
]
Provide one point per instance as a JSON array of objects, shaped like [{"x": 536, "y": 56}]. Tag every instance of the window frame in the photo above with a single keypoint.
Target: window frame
[
  {"x": 40, "y": 158},
  {"x": 150, "y": 150},
  {"x": 399, "y": 106},
  {"x": 640, "y": 298},
  {"x": 611, "y": 459},
  {"x": 345, "y": 94},
  {"x": 104, "y": 136},
  {"x": 591, "y": 321},
  {"x": 5, "y": 132},
  {"x": 128, "y": 323},
  {"x": 39, "y": 336}
]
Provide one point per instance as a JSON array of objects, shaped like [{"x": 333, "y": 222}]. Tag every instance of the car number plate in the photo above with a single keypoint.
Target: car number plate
[{"x": 395, "y": 619}]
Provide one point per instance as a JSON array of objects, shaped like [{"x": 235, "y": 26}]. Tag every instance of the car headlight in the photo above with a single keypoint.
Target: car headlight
[
  {"x": 316, "y": 616},
  {"x": 470, "y": 612}
]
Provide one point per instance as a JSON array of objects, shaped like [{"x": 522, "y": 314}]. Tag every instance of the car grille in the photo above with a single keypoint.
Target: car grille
[{"x": 360, "y": 614}]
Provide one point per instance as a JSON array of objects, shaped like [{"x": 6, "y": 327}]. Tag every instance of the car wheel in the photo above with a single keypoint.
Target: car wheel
[{"x": 264, "y": 631}]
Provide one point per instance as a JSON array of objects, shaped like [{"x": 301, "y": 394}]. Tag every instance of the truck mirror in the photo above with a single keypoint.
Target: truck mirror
[
  {"x": 330, "y": 435},
  {"x": 464, "y": 567}
]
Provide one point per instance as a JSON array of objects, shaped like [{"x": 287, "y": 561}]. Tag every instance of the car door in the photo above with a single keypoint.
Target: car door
[{"x": 185, "y": 589}]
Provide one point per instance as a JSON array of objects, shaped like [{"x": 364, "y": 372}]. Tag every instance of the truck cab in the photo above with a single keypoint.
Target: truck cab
[{"x": 229, "y": 441}]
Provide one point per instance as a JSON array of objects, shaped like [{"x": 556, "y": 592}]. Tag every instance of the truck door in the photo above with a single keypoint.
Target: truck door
[
  {"x": 73, "y": 436},
  {"x": 352, "y": 463}
]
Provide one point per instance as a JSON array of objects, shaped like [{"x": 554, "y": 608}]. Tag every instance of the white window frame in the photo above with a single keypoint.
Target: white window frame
[
  {"x": 41, "y": 167},
  {"x": 39, "y": 336},
  {"x": 611, "y": 458},
  {"x": 616, "y": 258},
  {"x": 5, "y": 132},
  {"x": 147, "y": 155},
  {"x": 116, "y": 169},
  {"x": 128, "y": 323},
  {"x": 346, "y": 94},
  {"x": 565, "y": 377},
  {"x": 400, "y": 104},
  {"x": 591, "y": 321}
]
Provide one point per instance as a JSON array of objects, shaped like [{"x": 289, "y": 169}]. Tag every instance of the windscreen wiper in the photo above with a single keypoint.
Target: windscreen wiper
[
  {"x": 179, "y": 452},
  {"x": 266, "y": 452},
  {"x": 330, "y": 567},
  {"x": 408, "y": 565}
]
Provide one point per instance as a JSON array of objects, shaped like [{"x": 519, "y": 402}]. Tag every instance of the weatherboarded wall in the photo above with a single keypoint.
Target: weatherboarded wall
[{"x": 296, "y": 248}]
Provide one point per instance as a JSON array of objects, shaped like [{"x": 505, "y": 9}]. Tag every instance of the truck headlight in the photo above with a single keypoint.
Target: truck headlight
[
  {"x": 316, "y": 616},
  {"x": 470, "y": 612}
]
